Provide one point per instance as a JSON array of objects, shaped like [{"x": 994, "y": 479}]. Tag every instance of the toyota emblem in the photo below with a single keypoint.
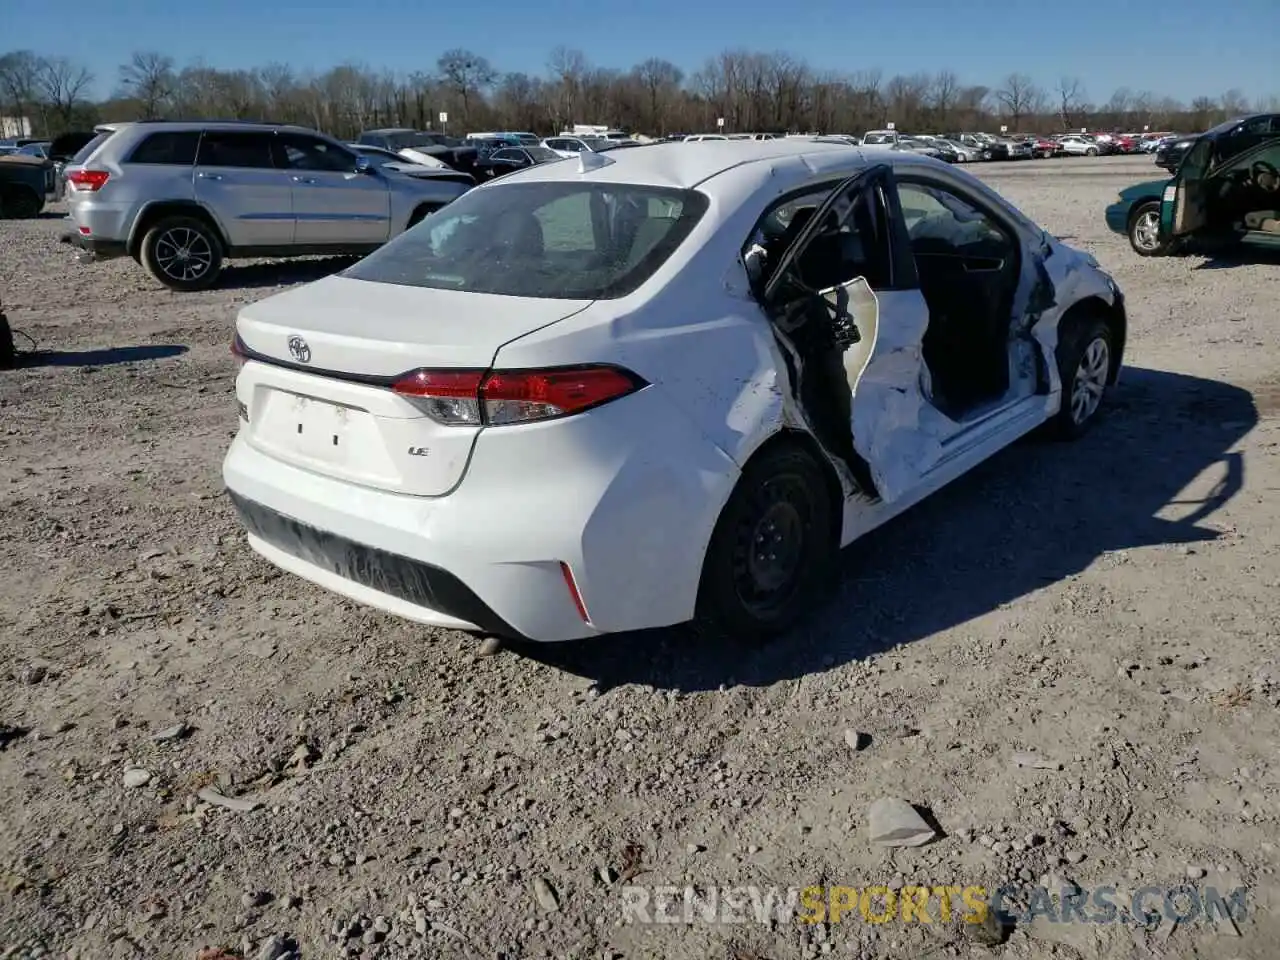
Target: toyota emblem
[{"x": 299, "y": 350}]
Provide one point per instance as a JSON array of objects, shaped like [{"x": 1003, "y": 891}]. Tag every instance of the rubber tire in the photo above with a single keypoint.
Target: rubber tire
[
  {"x": 422, "y": 213},
  {"x": 20, "y": 203},
  {"x": 721, "y": 613},
  {"x": 147, "y": 251},
  {"x": 1165, "y": 245},
  {"x": 1091, "y": 152},
  {"x": 1075, "y": 338}
]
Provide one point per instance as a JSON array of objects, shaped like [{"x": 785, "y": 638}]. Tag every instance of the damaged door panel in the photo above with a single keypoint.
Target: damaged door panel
[{"x": 826, "y": 318}]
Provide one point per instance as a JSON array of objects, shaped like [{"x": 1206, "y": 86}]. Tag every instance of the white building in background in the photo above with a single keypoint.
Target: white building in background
[{"x": 15, "y": 127}]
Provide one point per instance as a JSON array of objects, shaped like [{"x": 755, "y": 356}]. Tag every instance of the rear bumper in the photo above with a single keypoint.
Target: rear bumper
[
  {"x": 100, "y": 248},
  {"x": 626, "y": 496},
  {"x": 417, "y": 585}
]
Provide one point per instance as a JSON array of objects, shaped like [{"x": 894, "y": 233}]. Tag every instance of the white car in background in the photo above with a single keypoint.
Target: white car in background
[
  {"x": 570, "y": 146},
  {"x": 1078, "y": 145},
  {"x": 655, "y": 386}
]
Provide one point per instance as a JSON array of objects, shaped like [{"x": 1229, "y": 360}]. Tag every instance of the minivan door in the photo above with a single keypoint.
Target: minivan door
[{"x": 237, "y": 180}]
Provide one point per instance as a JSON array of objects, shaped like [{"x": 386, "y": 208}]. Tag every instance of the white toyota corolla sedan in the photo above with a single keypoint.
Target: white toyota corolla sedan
[{"x": 656, "y": 385}]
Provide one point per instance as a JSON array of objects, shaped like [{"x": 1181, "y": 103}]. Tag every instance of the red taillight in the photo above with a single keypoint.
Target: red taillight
[
  {"x": 91, "y": 180},
  {"x": 239, "y": 351},
  {"x": 516, "y": 396}
]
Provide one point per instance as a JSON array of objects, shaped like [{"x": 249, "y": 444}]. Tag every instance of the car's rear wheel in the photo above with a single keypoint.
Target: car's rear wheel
[
  {"x": 183, "y": 253},
  {"x": 1085, "y": 351},
  {"x": 773, "y": 548},
  {"x": 1091, "y": 152},
  {"x": 1144, "y": 230}
]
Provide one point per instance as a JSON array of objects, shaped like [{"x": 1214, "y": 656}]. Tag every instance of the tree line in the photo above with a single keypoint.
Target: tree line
[{"x": 750, "y": 91}]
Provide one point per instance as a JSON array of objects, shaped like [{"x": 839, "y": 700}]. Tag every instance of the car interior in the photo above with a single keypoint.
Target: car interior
[
  {"x": 1247, "y": 194},
  {"x": 968, "y": 268}
]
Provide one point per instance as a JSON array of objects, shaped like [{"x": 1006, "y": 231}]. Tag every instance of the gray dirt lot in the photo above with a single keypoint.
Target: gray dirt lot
[{"x": 1112, "y": 605}]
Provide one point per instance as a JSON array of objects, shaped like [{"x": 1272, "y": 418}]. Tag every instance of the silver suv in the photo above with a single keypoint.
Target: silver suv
[{"x": 181, "y": 197}]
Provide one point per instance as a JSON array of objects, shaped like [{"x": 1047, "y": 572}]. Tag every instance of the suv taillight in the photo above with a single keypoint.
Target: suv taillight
[
  {"x": 239, "y": 351},
  {"x": 494, "y": 398},
  {"x": 91, "y": 180}
]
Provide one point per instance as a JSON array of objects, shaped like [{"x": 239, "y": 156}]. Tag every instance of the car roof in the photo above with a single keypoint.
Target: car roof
[
  {"x": 152, "y": 126},
  {"x": 689, "y": 165},
  {"x": 1228, "y": 125}
]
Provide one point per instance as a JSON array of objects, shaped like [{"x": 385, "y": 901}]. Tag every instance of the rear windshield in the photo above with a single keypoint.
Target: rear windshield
[
  {"x": 407, "y": 141},
  {"x": 85, "y": 152},
  {"x": 571, "y": 241}
]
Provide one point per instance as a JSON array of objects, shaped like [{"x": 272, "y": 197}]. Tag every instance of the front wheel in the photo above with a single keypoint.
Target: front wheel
[
  {"x": 183, "y": 253},
  {"x": 1084, "y": 365},
  {"x": 1091, "y": 152},
  {"x": 1144, "y": 231},
  {"x": 773, "y": 548}
]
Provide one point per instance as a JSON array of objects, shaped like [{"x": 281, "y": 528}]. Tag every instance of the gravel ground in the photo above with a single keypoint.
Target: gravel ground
[{"x": 1111, "y": 606}]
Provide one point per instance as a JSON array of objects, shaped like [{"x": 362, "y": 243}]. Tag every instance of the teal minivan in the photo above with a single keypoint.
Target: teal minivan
[{"x": 1225, "y": 193}]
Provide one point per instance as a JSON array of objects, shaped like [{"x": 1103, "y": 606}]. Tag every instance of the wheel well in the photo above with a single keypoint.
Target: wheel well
[
  {"x": 790, "y": 437},
  {"x": 1113, "y": 315},
  {"x": 1138, "y": 205},
  {"x": 180, "y": 208}
]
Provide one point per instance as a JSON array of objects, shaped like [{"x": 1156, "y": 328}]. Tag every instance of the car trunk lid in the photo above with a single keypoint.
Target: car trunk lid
[{"x": 322, "y": 359}]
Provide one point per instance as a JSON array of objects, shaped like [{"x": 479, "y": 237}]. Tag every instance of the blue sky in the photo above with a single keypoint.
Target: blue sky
[{"x": 1171, "y": 47}]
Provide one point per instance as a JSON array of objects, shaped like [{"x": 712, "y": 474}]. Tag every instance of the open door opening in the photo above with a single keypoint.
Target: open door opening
[
  {"x": 968, "y": 267},
  {"x": 814, "y": 285}
]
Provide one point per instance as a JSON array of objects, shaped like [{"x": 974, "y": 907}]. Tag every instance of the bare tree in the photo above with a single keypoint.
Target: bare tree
[
  {"x": 148, "y": 77},
  {"x": 569, "y": 69},
  {"x": 943, "y": 92},
  {"x": 660, "y": 80},
  {"x": 752, "y": 90},
  {"x": 1234, "y": 103},
  {"x": 1070, "y": 102},
  {"x": 20, "y": 82},
  {"x": 63, "y": 84},
  {"x": 1017, "y": 97},
  {"x": 467, "y": 75}
]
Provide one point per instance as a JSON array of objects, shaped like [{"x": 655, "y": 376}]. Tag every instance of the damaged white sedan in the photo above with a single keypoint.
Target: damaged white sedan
[{"x": 656, "y": 386}]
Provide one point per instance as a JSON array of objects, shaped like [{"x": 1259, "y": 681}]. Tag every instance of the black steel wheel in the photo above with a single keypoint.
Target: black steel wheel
[{"x": 773, "y": 547}]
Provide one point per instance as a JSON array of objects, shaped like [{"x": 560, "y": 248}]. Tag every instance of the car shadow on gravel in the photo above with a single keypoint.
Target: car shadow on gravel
[
  {"x": 281, "y": 273},
  {"x": 1239, "y": 258},
  {"x": 1148, "y": 475},
  {"x": 99, "y": 358}
]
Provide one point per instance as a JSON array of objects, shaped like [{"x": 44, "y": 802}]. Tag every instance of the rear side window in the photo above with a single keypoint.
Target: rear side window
[
  {"x": 558, "y": 240},
  {"x": 310, "y": 153},
  {"x": 176, "y": 148},
  {"x": 85, "y": 152},
  {"x": 222, "y": 148}
]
